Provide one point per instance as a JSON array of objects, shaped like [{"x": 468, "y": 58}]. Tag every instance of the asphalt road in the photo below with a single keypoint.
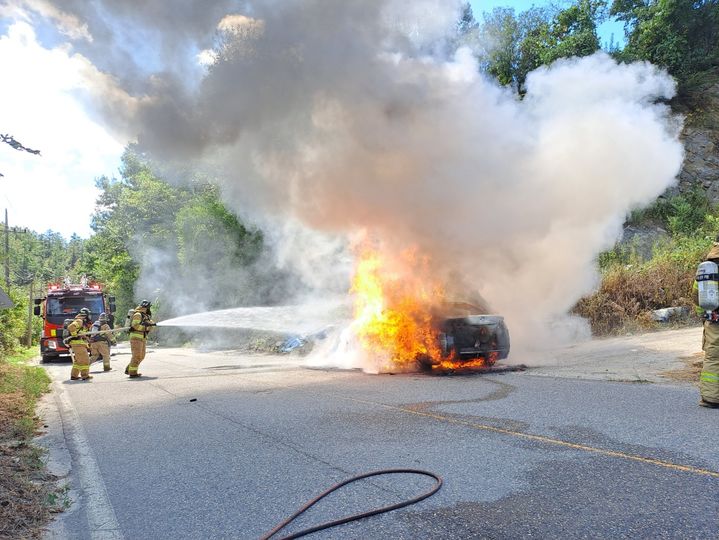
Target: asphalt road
[{"x": 219, "y": 445}]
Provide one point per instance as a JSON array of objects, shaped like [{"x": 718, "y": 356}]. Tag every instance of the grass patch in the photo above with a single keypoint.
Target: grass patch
[
  {"x": 28, "y": 494},
  {"x": 22, "y": 355},
  {"x": 20, "y": 388}
]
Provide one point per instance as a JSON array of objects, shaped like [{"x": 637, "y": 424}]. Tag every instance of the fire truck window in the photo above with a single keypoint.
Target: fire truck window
[{"x": 71, "y": 306}]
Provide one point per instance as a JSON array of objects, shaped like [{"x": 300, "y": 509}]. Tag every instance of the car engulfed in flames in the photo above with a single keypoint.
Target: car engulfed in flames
[
  {"x": 469, "y": 342},
  {"x": 404, "y": 321}
]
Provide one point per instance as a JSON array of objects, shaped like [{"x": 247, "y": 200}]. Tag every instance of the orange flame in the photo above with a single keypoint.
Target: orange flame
[
  {"x": 476, "y": 363},
  {"x": 396, "y": 317},
  {"x": 393, "y": 309}
]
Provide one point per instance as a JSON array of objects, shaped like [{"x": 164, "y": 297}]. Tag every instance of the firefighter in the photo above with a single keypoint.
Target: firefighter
[
  {"x": 140, "y": 325},
  {"x": 100, "y": 343},
  {"x": 709, "y": 378},
  {"x": 79, "y": 346}
]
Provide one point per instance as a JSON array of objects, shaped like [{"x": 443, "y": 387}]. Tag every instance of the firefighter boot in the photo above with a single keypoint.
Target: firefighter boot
[
  {"x": 708, "y": 404},
  {"x": 132, "y": 370},
  {"x": 85, "y": 373},
  {"x": 75, "y": 372}
]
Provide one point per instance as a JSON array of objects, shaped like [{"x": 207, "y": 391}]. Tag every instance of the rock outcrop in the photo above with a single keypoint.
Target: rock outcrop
[
  {"x": 701, "y": 144},
  {"x": 641, "y": 240},
  {"x": 701, "y": 164}
]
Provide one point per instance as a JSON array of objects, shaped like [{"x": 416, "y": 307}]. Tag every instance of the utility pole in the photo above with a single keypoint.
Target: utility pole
[
  {"x": 7, "y": 253},
  {"x": 29, "y": 313}
]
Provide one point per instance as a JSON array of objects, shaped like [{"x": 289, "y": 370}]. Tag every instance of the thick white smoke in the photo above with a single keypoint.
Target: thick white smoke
[
  {"x": 359, "y": 116},
  {"x": 515, "y": 196}
]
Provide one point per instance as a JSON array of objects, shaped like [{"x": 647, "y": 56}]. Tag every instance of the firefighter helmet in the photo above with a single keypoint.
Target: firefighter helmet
[
  {"x": 145, "y": 304},
  {"x": 102, "y": 317},
  {"x": 84, "y": 312}
]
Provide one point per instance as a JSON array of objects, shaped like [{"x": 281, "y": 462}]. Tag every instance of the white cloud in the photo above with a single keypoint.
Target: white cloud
[
  {"x": 40, "y": 106},
  {"x": 240, "y": 24},
  {"x": 206, "y": 57},
  {"x": 66, "y": 23}
]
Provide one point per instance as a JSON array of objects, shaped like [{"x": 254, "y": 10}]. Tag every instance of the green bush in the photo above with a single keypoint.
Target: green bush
[
  {"x": 684, "y": 214},
  {"x": 12, "y": 324}
]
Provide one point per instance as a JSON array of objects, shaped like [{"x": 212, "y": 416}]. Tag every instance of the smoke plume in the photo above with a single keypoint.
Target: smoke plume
[{"x": 359, "y": 117}]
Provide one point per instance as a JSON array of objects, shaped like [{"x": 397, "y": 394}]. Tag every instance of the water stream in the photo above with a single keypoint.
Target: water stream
[{"x": 300, "y": 319}]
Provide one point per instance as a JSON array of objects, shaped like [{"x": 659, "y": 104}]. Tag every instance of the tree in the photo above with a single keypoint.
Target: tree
[
  {"x": 206, "y": 217},
  {"x": 34, "y": 258},
  {"x": 571, "y": 32},
  {"x": 574, "y": 31},
  {"x": 512, "y": 46},
  {"x": 500, "y": 36},
  {"x": 534, "y": 34},
  {"x": 134, "y": 213},
  {"x": 12, "y": 323},
  {"x": 680, "y": 35},
  {"x": 467, "y": 23},
  {"x": 198, "y": 245}
]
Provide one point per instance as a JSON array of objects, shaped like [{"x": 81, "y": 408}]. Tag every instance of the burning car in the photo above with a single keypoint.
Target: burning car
[
  {"x": 405, "y": 316},
  {"x": 468, "y": 340}
]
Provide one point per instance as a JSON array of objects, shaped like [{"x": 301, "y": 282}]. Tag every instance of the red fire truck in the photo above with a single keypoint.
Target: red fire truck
[{"x": 63, "y": 301}]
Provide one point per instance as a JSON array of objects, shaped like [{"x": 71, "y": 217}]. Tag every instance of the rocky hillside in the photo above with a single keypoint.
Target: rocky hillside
[
  {"x": 701, "y": 141},
  {"x": 700, "y": 135}
]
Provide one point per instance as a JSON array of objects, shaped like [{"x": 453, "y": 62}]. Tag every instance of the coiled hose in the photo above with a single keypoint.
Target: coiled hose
[{"x": 354, "y": 517}]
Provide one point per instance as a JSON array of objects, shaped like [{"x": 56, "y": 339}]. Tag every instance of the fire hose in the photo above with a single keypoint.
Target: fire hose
[
  {"x": 94, "y": 333},
  {"x": 354, "y": 517}
]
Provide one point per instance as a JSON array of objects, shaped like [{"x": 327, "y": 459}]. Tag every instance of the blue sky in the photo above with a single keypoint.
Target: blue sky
[{"x": 606, "y": 30}]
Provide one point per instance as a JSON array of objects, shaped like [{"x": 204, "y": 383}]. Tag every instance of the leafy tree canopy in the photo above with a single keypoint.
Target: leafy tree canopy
[
  {"x": 509, "y": 46},
  {"x": 680, "y": 35}
]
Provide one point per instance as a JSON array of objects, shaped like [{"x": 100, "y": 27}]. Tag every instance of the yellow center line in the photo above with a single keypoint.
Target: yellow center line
[{"x": 544, "y": 439}]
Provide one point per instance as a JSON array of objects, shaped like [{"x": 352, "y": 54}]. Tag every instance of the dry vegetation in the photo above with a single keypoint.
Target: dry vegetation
[
  {"x": 28, "y": 494},
  {"x": 631, "y": 288},
  {"x": 627, "y": 296}
]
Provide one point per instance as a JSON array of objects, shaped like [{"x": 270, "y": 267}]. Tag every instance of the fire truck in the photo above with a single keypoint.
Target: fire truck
[{"x": 64, "y": 300}]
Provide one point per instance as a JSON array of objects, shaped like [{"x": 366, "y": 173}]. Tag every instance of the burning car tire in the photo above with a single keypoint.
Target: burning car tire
[{"x": 464, "y": 340}]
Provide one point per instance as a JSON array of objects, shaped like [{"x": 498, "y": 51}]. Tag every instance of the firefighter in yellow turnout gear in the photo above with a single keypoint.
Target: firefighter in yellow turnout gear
[
  {"x": 79, "y": 346},
  {"x": 140, "y": 325},
  {"x": 709, "y": 378},
  {"x": 100, "y": 343}
]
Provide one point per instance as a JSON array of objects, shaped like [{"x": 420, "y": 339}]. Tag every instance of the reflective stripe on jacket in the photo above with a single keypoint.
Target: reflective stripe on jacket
[{"x": 138, "y": 325}]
